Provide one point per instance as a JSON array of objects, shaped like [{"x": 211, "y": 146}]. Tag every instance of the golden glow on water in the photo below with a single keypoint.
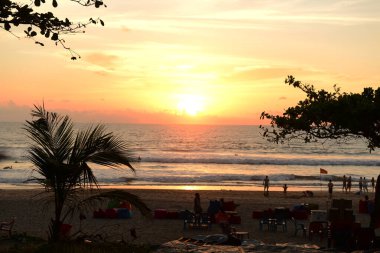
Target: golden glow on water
[
  {"x": 211, "y": 188},
  {"x": 189, "y": 187}
]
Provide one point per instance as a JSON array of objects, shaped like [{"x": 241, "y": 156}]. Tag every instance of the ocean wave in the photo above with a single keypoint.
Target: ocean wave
[
  {"x": 236, "y": 178},
  {"x": 266, "y": 161}
]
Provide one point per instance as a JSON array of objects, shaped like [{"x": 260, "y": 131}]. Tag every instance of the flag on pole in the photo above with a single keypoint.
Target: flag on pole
[{"x": 322, "y": 171}]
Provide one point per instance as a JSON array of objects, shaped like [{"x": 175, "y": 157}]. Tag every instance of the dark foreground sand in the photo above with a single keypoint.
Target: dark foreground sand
[{"x": 32, "y": 216}]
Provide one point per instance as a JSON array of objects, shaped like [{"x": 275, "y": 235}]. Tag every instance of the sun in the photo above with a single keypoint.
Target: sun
[{"x": 190, "y": 104}]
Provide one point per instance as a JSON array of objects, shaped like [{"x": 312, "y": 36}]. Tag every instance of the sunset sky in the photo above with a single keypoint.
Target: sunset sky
[{"x": 199, "y": 62}]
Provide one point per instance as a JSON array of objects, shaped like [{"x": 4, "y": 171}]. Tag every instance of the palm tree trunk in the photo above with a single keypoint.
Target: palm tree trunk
[
  {"x": 55, "y": 227},
  {"x": 375, "y": 217}
]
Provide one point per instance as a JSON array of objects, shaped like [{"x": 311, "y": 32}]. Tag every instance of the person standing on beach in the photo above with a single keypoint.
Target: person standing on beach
[
  {"x": 349, "y": 182},
  {"x": 330, "y": 185},
  {"x": 373, "y": 184},
  {"x": 266, "y": 186},
  {"x": 365, "y": 185},
  {"x": 360, "y": 185},
  {"x": 344, "y": 187},
  {"x": 285, "y": 188},
  {"x": 197, "y": 207}
]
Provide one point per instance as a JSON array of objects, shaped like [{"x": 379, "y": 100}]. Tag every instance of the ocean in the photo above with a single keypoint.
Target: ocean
[{"x": 207, "y": 157}]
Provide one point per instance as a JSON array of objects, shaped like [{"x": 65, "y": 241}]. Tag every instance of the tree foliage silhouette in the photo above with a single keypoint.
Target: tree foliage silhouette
[
  {"x": 329, "y": 115},
  {"x": 63, "y": 159},
  {"x": 47, "y": 25}
]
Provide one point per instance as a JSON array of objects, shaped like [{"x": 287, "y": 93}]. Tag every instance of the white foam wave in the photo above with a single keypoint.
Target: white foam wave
[{"x": 267, "y": 161}]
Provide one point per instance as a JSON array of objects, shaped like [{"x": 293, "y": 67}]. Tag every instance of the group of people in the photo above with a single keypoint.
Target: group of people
[
  {"x": 346, "y": 187},
  {"x": 363, "y": 184},
  {"x": 266, "y": 186},
  {"x": 347, "y": 184}
]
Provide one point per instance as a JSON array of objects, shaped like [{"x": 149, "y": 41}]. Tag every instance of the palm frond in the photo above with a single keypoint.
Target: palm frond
[{"x": 96, "y": 146}]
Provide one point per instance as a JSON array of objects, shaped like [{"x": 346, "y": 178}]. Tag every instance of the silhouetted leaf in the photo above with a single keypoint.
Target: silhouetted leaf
[
  {"x": 37, "y": 2},
  {"x": 47, "y": 34},
  {"x": 98, "y": 4},
  {"x": 33, "y": 33},
  {"x": 40, "y": 43},
  {"x": 73, "y": 58},
  {"x": 29, "y": 29},
  {"x": 54, "y": 36},
  {"x": 7, "y": 26},
  {"x": 101, "y": 22},
  {"x": 55, "y": 3}
]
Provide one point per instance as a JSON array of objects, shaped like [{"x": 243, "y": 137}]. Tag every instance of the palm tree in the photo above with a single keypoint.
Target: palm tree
[{"x": 62, "y": 161}]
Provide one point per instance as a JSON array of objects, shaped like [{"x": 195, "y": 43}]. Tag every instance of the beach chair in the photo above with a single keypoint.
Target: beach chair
[
  {"x": 265, "y": 218},
  {"x": 7, "y": 226},
  {"x": 281, "y": 215},
  {"x": 193, "y": 221},
  {"x": 188, "y": 219},
  {"x": 300, "y": 220},
  {"x": 319, "y": 228},
  {"x": 205, "y": 221}
]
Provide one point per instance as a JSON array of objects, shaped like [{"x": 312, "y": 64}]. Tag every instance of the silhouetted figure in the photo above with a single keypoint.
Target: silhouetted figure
[
  {"x": 330, "y": 185},
  {"x": 360, "y": 185},
  {"x": 285, "y": 189},
  {"x": 266, "y": 186},
  {"x": 197, "y": 207},
  {"x": 373, "y": 184},
  {"x": 344, "y": 186},
  {"x": 349, "y": 184},
  {"x": 365, "y": 185}
]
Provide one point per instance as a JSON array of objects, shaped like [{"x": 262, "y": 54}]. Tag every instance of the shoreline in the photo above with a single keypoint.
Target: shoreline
[
  {"x": 32, "y": 217},
  {"x": 192, "y": 187}
]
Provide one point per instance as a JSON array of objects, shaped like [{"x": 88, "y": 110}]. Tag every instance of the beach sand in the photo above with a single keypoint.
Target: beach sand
[{"x": 32, "y": 216}]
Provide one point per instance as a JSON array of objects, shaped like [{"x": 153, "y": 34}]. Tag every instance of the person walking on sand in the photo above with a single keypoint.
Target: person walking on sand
[
  {"x": 266, "y": 186},
  {"x": 349, "y": 183},
  {"x": 344, "y": 187},
  {"x": 330, "y": 185},
  {"x": 373, "y": 184},
  {"x": 365, "y": 185},
  {"x": 197, "y": 207}
]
